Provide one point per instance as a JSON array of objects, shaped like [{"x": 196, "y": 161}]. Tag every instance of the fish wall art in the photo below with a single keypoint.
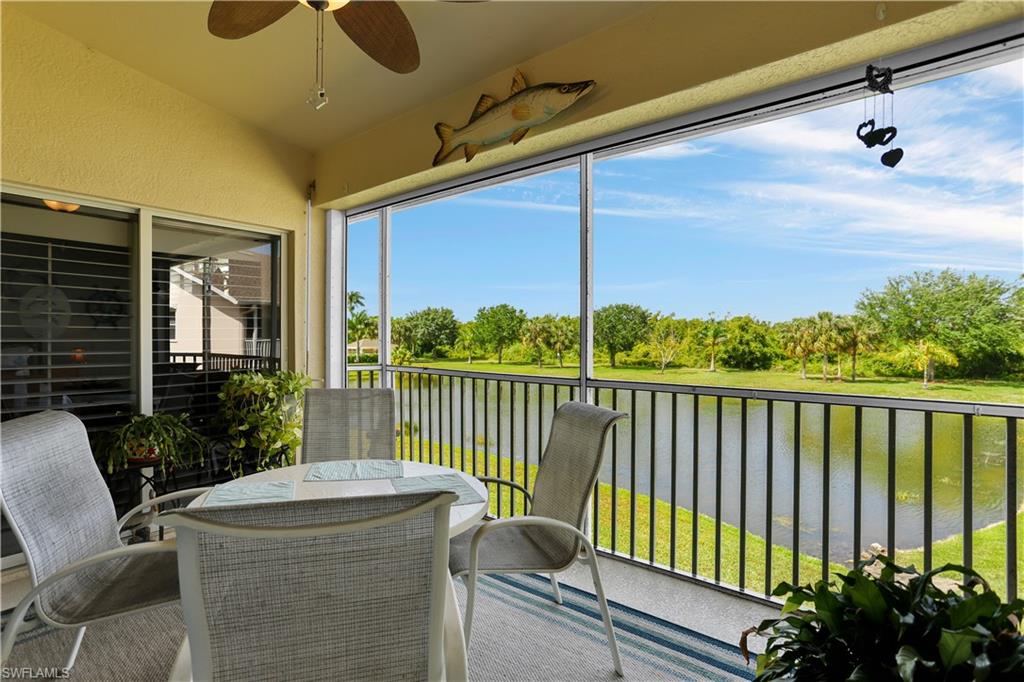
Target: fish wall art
[{"x": 510, "y": 119}]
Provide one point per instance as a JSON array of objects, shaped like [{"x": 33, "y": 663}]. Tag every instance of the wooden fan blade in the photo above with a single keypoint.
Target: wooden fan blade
[
  {"x": 381, "y": 30},
  {"x": 233, "y": 19}
]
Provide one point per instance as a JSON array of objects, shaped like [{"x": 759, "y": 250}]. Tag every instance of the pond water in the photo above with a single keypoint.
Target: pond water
[{"x": 988, "y": 465}]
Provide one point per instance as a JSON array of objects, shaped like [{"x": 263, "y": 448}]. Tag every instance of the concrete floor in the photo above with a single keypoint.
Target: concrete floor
[{"x": 694, "y": 606}]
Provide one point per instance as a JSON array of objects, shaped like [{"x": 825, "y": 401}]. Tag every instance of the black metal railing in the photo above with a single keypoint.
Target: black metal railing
[{"x": 745, "y": 488}]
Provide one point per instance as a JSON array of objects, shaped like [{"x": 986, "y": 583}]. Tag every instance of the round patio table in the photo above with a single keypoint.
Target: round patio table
[{"x": 461, "y": 519}]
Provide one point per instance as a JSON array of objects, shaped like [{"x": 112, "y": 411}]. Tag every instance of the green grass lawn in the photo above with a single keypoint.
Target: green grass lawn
[
  {"x": 782, "y": 558},
  {"x": 973, "y": 391},
  {"x": 989, "y": 553}
]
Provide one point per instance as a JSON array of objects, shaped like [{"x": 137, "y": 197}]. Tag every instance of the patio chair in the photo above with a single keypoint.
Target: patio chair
[
  {"x": 550, "y": 537},
  {"x": 349, "y": 589},
  {"x": 348, "y": 423},
  {"x": 62, "y": 515}
]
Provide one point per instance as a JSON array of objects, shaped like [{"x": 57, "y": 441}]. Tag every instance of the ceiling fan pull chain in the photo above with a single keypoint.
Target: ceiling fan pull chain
[{"x": 318, "y": 98}]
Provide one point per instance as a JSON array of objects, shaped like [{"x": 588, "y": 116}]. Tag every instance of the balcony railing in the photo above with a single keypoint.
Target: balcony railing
[{"x": 786, "y": 485}]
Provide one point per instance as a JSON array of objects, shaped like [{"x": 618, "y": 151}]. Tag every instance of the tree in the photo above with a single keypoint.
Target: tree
[
  {"x": 749, "y": 344},
  {"x": 826, "y": 338},
  {"x": 500, "y": 326},
  {"x": 430, "y": 329},
  {"x": 667, "y": 337},
  {"x": 468, "y": 340},
  {"x": 976, "y": 318},
  {"x": 712, "y": 334},
  {"x": 361, "y": 326},
  {"x": 620, "y": 326},
  {"x": 797, "y": 337},
  {"x": 535, "y": 334},
  {"x": 856, "y": 334},
  {"x": 354, "y": 301},
  {"x": 563, "y": 336},
  {"x": 924, "y": 355}
]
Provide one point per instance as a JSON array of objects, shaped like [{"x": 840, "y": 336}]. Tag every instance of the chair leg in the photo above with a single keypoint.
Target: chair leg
[
  {"x": 606, "y": 615},
  {"x": 470, "y": 579},
  {"x": 556, "y": 593},
  {"x": 73, "y": 654}
]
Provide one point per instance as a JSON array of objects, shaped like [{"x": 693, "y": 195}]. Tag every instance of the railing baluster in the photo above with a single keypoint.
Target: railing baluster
[
  {"x": 632, "y": 475},
  {"x": 451, "y": 422},
  {"x": 858, "y": 472},
  {"x": 512, "y": 445},
  {"x": 928, "y": 457},
  {"x": 462, "y": 424},
  {"x": 968, "y": 490},
  {"x": 694, "y": 499},
  {"x": 430, "y": 418},
  {"x": 743, "y": 493},
  {"x": 675, "y": 486},
  {"x": 487, "y": 429},
  {"x": 768, "y": 519},
  {"x": 419, "y": 415},
  {"x": 472, "y": 435},
  {"x": 595, "y": 514},
  {"x": 1011, "y": 508},
  {"x": 718, "y": 489},
  {"x": 540, "y": 430},
  {"x": 615, "y": 475},
  {"x": 826, "y": 483},
  {"x": 371, "y": 378},
  {"x": 526, "y": 440},
  {"x": 890, "y": 487},
  {"x": 796, "y": 493},
  {"x": 653, "y": 516},
  {"x": 401, "y": 416},
  {"x": 497, "y": 444}
]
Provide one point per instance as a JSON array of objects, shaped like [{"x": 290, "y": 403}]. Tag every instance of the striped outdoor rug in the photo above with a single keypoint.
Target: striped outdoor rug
[{"x": 519, "y": 634}]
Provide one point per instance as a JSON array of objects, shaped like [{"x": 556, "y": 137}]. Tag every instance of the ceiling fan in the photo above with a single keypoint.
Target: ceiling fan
[{"x": 378, "y": 27}]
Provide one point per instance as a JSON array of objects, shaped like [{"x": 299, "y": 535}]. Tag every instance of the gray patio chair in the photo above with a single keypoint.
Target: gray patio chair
[
  {"x": 348, "y": 423},
  {"x": 349, "y": 589},
  {"x": 550, "y": 537},
  {"x": 61, "y": 512}
]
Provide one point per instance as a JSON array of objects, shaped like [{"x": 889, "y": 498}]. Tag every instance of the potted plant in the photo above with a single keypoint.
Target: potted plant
[
  {"x": 149, "y": 439},
  {"x": 886, "y": 622},
  {"x": 262, "y": 415}
]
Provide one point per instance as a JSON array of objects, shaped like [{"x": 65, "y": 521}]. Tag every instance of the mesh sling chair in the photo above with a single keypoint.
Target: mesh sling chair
[
  {"x": 348, "y": 423},
  {"x": 550, "y": 538},
  {"x": 60, "y": 510},
  {"x": 335, "y": 589}
]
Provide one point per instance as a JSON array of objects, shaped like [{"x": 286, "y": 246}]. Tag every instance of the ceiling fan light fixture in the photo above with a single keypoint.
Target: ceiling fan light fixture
[
  {"x": 62, "y": 206},
  {"x": 324, "y": 5}
]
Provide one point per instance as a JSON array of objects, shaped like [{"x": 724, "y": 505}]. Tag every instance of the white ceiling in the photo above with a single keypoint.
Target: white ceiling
[{"x": 264, "y": 79}]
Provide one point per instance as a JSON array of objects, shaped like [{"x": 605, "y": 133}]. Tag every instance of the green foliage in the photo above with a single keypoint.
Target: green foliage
[
  {"x": 468, "y": 341},
  {"x": 711, "y": 334},
  {"x": 164, "y": 435},
  {"x": 262, "y": 414},
  {"x": 749, "y": 344},
  {"x": 400, "y": 355},
  {"x": 499, "y": 326},
  {"x": 856, "y": 335},
  {"x": 354, "y": 302},
  {"x": 977, "y": 318},
  {"x": 896, "y": 625},
  {"x": 563, "y": 336},
  {"x": 535, "y": 334},
  {"x": 425, "y": 331},
  {"x": 924, "y": 356},
  {"x": 668, "y": 335},
  {"x": 620, "y": 326}
]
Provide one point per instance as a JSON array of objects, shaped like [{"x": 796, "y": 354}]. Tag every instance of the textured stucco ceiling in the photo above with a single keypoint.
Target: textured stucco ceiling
[{"x": 264, "y": 79}]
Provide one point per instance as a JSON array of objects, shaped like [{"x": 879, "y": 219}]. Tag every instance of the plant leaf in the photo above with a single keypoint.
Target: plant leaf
[
  {"x": 906, "y": 662},
  {"x": 955, "y": 646}
]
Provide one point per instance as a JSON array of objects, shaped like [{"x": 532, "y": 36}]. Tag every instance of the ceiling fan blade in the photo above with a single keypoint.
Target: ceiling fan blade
[
  {"x": 381, "y": 30},
  {"x": 233, "y": 19}
]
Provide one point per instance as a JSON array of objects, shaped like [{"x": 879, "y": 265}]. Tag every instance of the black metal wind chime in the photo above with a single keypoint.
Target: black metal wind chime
[{"x": 879, "y": 82}]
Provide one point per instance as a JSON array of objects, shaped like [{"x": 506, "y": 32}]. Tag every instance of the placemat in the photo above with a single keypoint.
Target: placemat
[
  {"x": 437, "y": 482},
  {"x": 354, "y": 471},
  {"x": 250, "y": 493}
]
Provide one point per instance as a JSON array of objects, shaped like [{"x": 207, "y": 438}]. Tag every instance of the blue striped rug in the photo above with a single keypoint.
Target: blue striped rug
[{"x": 519, "y": 633}]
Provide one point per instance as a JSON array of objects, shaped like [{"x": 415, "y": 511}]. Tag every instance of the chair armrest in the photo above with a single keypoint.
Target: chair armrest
[
  {"x": 510, "y": 484},
  {"x": 11, "y": 630},
  {"x": 156, "y": 502},
  {"x": 498, "y": 524}
]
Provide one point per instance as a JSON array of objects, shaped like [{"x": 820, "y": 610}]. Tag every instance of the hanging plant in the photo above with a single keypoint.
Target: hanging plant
[
  {"x": 150, "y": 439},
  {"x": 262, "y": 414}
]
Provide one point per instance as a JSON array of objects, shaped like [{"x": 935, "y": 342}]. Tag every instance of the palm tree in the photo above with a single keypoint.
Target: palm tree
[
  {"x": 535, "y": 334},
  {"x": 562, "y": 336},
  {"x": 924, "y": 355},
  {"x": 360, "y": 326},
  {"x": 355, "y": 301},
  {"x": 856, "y": 334},
  {"x": 712, "y": 334},
  {"x": 467, "y": 341},
  {"x": 826, "y": 338},
  {"x": 797, "y": 338}
]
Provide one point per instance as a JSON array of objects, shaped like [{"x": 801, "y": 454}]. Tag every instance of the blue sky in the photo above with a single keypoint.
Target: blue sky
[{"x": 774, "y": 220}]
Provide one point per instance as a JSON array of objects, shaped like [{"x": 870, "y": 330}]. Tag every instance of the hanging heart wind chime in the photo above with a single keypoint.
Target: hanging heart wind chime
[{"x": 872, "y": 134}]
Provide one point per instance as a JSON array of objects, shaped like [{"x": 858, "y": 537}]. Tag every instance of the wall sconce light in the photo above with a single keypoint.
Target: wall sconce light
[{"x": 61, "y": 206}]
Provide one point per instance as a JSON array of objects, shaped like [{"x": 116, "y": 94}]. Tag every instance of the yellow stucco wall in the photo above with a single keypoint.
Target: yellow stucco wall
[
  {"x": 675, "y": 58},
  {"x": 77, "y": 121}
]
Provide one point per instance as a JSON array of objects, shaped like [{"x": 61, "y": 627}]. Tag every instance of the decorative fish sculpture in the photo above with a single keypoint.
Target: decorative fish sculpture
[{"x": 493, "y": 121}]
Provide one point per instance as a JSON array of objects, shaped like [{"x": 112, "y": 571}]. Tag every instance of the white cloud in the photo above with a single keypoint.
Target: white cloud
[{"x": 676, "y": 150}]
